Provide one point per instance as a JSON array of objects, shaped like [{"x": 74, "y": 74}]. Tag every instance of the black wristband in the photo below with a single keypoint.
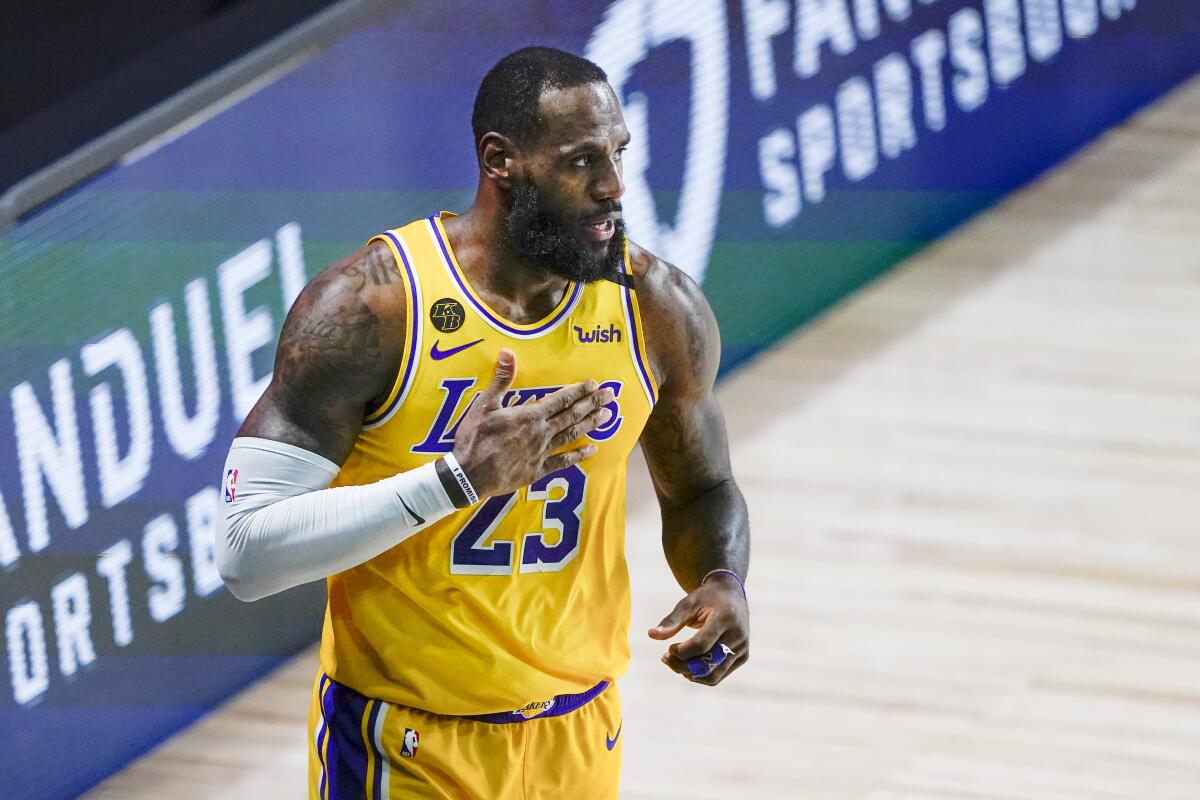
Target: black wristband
[{"x": 453, "y": 490}]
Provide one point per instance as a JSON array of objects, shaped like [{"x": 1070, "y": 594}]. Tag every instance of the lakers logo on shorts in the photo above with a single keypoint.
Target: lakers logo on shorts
[{"x": 535, "y": 709}]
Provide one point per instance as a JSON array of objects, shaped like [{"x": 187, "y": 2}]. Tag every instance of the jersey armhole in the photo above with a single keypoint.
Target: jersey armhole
[
  {"x": 412, "y": 350},
  {"x": 637, "y": 342}
]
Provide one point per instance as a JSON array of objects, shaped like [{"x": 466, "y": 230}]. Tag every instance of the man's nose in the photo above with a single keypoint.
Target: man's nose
[{"x": 609, "y": 185}]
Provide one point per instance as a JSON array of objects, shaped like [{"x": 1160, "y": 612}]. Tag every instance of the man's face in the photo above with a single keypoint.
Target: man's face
[{"x": 564, "y": 212}]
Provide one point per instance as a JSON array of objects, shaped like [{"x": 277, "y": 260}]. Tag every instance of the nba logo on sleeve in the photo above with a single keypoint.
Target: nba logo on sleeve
[
  {"x": 412, "y": 740},
  {"x": 230, "y": 485}
]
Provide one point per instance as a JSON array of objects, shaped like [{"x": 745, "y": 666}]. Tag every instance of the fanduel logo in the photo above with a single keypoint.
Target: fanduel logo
[
  {"x": 630, "y": 32},
  {"x": 599, "y": 335}
]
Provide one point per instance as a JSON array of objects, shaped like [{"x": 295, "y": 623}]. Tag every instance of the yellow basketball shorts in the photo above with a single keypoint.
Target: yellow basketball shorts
[{"x": 364, "y": 748}]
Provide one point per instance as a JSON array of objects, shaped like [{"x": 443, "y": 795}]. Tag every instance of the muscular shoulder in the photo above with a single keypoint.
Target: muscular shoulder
[
  {"x": 338, "y": 353},
  {"x": 349, "y": 321},
  {"x": 681, "y": 331}
]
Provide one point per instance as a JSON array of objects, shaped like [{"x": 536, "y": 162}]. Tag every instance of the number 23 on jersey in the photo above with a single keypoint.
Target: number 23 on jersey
[{"x": 561, "y": 494}]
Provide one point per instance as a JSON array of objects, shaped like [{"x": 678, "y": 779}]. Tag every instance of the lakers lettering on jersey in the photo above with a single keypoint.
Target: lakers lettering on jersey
[{"x": 523, "y": 596}]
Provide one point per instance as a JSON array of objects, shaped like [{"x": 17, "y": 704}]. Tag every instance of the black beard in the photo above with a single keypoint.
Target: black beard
[{"x": 546, "y": 242}]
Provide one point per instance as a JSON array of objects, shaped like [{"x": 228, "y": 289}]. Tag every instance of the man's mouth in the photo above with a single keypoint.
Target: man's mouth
[{"x": 601, "y": 229}]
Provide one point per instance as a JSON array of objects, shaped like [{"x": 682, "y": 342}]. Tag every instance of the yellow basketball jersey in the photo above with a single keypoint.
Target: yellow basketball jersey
[{"x": 520, "y": 597}]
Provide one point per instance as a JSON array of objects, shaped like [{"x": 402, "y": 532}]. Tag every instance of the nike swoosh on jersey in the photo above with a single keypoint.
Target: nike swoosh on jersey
[
  {"x": 438, "y": 355},
  {"x": 421, "y": 521},
  {"x": 613, "y": 741}
]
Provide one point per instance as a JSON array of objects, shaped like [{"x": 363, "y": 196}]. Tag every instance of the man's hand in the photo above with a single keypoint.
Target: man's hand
[
  {"x": 718, "y": 608},
  {"x": 502, "y": 449}
]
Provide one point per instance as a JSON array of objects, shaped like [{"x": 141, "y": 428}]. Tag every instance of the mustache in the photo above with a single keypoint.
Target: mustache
[{"x": 608, "y": 207}]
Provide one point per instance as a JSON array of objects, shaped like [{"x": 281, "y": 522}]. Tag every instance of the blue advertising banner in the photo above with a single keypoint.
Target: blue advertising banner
[{"x": 783, "y": 154}]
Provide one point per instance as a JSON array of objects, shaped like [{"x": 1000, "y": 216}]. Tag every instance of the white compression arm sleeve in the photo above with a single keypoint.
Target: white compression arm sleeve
[{"x": 284, "y": 527}]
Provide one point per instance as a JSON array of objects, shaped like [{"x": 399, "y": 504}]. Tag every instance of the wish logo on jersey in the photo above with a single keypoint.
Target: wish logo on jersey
[
  {"x": 440, "y": 437},
  {"x": 598, "y": 335}
]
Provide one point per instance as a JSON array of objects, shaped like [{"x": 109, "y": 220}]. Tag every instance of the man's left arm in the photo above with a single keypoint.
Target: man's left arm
[{"x": 706, "y": 533}]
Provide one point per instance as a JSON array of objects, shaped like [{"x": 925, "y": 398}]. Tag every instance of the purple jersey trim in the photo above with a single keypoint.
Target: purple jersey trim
[
  {"x": 562, "y": 704},
  {"x": 413, "y": 355},
  {"x": 637, "y": 347},
  {"x": 566, "y": 308}
]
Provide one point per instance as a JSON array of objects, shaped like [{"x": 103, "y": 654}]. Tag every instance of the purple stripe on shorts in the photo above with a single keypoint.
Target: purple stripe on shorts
[
  {"x": 563, "y": 704},
  {"x": 323, "y": 690},
  {"x": 347, "y": 750},
  {"x": 377, "y": 779}
]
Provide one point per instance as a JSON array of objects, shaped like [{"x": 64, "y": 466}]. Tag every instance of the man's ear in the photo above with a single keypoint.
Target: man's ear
[{"x": 497, "y": 159}]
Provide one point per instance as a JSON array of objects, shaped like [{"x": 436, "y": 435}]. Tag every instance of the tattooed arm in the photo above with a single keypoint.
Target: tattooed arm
[
  {"x": 704, "y": 518},
  {"x": 337, "y": 357}
]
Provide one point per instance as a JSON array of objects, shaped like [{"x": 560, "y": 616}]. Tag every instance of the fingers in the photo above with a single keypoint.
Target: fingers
[
  {"x": 558, "y": 402},
  {"x": 733, "y": 662},
  {"x": 581, "y": 418},
  {"x": 701, "y": 642},
  {"x": 673, "y": 623},
  {"x": 563, "y": 460},
  {"x": 502, "y": 378}
]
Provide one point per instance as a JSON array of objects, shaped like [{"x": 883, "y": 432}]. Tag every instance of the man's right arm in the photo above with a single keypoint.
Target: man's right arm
[
  {"x": 337, "y": 358},
  {"x": 338, "y": 354}
]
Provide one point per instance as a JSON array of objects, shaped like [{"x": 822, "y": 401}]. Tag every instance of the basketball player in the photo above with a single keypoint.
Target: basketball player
[{"x": 445, "y": 440}]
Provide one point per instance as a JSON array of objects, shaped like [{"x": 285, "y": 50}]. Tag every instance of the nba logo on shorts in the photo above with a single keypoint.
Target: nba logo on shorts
[
  {"x": 411, "y": 740},
  {"x": 230, "y": 485}
]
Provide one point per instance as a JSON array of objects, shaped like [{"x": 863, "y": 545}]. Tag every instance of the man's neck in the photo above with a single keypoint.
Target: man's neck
[{"x": 519, "y": 292}]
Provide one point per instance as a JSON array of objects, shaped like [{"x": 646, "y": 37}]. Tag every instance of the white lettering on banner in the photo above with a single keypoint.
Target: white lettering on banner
[
  {"x": 781, "y": 201},
  {"x": 203, "y": 509},
  {"x": 72, "y": 623},
  {"x": 764, "y": 20},
  {"x": 245, "y": 331},
  {"x": 189, "y": 436},
  {"x": 866, "y": 19},
  {"x": 1043, "y": 29},
  {"x": 28, "y": 665},
  {"x": 1005, "y": 47},
  {"x": 111, "y": 566},
  {"x": 928, "y": 53},
  {"x": 624, "y": 38},
  {"x": 49, "y": 452},
  {"x": 120, "y": 477},
  {"x": 898, "y": 10},
  {"x": 866, "y": 15},
  {"x": 163, "y": 566},
  {"x": 10, "y": 551},
  {"x": 856, "y": 129},
  {"x": 1113, "y": 8},
  {"x": 970, "y": 81},
  {"x": 894, "y": 97},
  {"x": 818, "y": 22},
  {"x": 816, "y": 150},
  {"x": 1081, "y": 17},
  {"x": 876, "y": 117}
]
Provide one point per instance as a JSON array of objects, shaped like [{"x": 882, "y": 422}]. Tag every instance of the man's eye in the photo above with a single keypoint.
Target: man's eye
[
  {"x": 620, "y": 152},
  {"x": 582, "y": 161}
]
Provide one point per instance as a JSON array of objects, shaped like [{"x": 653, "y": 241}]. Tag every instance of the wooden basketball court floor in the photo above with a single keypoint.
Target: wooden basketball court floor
[{"x": 975, "y": 497}]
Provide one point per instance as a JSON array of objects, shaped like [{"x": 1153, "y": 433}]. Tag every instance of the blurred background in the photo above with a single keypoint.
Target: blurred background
[{"x": 970, "y": 441}]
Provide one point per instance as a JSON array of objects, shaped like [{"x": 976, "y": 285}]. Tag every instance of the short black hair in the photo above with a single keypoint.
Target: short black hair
[{"x": 507, "y": 102}]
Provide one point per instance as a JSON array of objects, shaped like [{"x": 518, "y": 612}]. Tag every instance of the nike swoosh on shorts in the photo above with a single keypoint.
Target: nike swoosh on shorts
[{"x": 613, "y": 741}]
